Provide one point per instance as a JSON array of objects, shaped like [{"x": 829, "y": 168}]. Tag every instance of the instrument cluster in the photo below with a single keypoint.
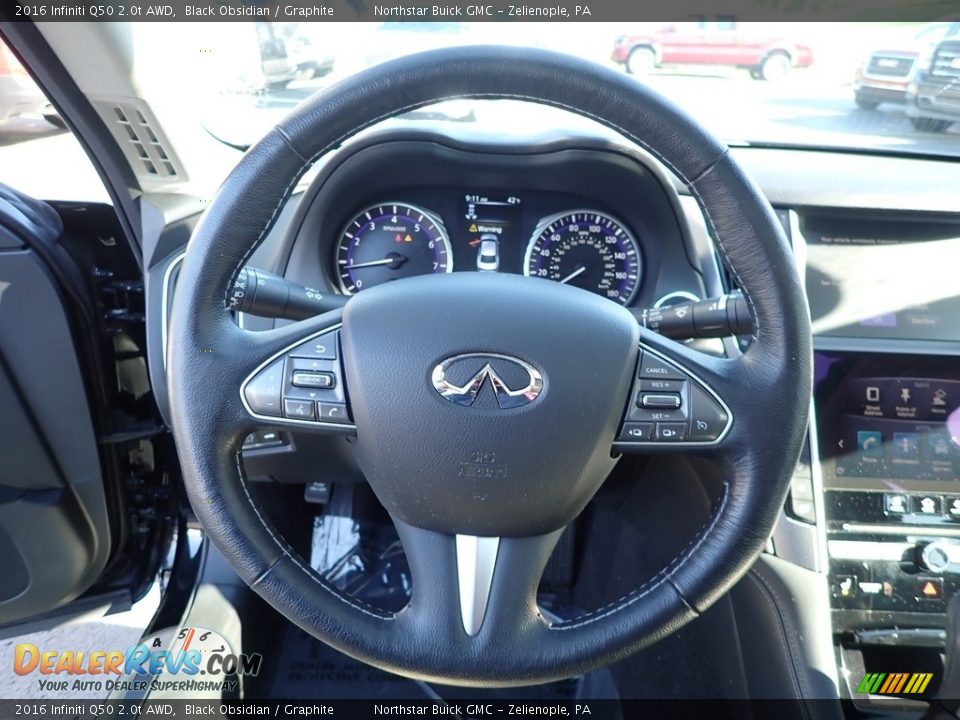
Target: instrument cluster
[{"x": 490, "y": 232}]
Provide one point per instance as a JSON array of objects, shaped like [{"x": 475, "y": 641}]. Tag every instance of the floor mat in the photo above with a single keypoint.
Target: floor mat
[{"x": 305, "y": 668}]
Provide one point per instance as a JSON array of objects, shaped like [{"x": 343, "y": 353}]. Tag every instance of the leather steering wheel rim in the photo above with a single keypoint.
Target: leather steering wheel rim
[{"x": 768, "y": 387}]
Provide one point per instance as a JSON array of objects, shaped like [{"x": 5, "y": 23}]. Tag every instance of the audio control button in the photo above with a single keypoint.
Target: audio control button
[
  {"x": 298, "y": 409},
  {"x": 322, "y": 347},
  {"x": 314, "y": 379},
  {"x": 671, "y": 432},
  {"x": 636, "y": 432},
  {"x": 263, "y": 391},
  {"x": 333, "y": 413}
]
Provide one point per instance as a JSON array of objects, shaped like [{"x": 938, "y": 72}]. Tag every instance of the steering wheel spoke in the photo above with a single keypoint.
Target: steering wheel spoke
[
  {"x": 475, "y": 590},
  {"x": 678, "y": 400},
  {"x": 296, "y": 378}
]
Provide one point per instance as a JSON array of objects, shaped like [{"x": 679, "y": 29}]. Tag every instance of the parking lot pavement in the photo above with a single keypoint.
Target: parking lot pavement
[{"x": 111, "y": 632}]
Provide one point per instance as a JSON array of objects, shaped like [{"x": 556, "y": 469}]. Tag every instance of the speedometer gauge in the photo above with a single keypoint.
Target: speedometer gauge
[
  {"x": 388, "y": 242},
  {"x": 588, "y": 249}
]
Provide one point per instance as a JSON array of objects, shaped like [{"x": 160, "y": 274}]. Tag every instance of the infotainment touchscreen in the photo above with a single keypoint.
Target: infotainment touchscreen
[
  {"x": 888, "y": 421},
  {"x": 873, "y": 279}
]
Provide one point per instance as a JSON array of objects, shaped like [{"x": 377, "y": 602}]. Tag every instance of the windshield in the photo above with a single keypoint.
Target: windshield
[
  {"x": 848, "y": 85},
  {"x": 891, "y": 87}
]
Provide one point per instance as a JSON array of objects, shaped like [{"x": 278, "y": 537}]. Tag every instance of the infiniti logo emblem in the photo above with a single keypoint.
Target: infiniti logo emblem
[{"x": 481, "y": 365}]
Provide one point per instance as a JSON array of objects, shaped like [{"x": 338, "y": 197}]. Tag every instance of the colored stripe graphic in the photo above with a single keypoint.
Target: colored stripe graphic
[
  {"x": 870, "y": 683},
  {"x": 894, "y": 683}
]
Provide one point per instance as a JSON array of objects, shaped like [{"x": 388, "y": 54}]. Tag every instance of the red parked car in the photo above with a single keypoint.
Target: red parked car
[{"x": 717, "y": 41}]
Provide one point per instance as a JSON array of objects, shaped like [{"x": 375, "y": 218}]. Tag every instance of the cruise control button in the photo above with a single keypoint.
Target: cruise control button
[
  {"x": 671, "y": 432},
  {"x": 708, "y": 419},
  {"x": 323, "y": 347},
  {"x": 650, "y": 415},
  {"x": 664, "y": 401},
  {"x": 264, "y": 389},
  {"x": 652, "y": 367},
  {"x": 333, "y": 413},
  {"x": 636, "y": 432},
  {"x": 298, "y": 409},
  {"x": 314, "y": 379},
  {"x": 670, "y": 386}
]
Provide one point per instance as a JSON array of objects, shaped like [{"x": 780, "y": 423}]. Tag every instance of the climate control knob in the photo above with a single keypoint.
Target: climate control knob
[{"x": 940, "y": 556}]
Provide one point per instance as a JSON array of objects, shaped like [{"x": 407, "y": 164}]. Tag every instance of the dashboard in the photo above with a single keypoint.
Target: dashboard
[
  {"x": 584, "y": 247},
  {"x": 588, "y": 215}
]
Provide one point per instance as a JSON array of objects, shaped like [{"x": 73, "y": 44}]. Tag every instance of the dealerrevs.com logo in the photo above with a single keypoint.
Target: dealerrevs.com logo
[{"x": 193, "y": 659}]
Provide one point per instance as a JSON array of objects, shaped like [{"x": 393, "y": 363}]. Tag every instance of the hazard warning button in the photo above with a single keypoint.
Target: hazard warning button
[{"x": 929, "y": 588}]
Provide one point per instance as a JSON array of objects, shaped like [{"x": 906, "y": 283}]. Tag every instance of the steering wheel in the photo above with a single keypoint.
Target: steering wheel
[{"x": 487, "y": 409}]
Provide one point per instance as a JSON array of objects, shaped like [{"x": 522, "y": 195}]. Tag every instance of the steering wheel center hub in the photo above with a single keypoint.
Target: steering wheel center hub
[{"x": 486, "y": 405}]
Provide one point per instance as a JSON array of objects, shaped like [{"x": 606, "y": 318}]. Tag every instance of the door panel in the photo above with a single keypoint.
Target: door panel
[{"x": 54, "y": 528}]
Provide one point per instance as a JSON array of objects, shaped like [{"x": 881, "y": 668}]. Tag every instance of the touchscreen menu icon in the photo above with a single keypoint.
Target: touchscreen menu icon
[
  {"x": 906, "y": 445},
  {"x": 870, "y": 442}
]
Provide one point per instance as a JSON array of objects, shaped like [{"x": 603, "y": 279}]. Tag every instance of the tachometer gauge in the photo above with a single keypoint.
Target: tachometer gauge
[
  {"x": 588, "y": 249},
  {"x": 388, "y": 242}
]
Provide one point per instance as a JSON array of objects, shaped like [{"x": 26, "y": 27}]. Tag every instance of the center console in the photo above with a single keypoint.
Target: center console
[
  {"x": 889, "y": 439},
  {"x": 886, "y": 438}
]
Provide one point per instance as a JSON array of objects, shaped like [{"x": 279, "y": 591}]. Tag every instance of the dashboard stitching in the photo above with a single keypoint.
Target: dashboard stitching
[
  {"x": 650, "y": 585},
  {"x": 348, "y": 600}
]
